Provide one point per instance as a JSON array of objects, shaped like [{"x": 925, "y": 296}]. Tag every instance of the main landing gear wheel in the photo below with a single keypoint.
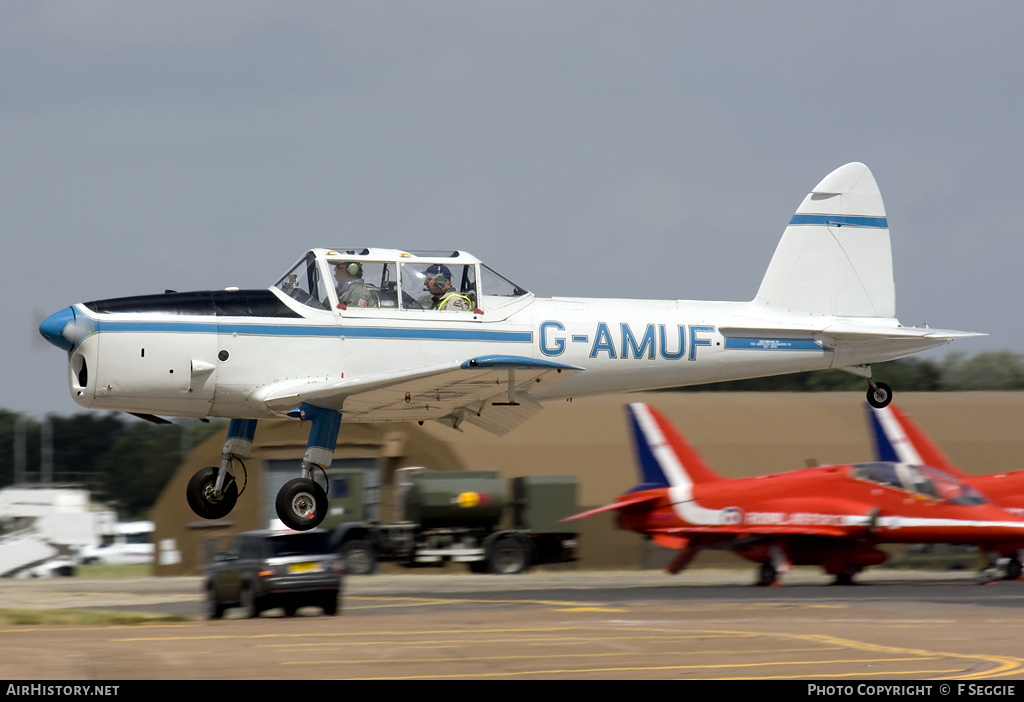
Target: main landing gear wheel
[
  {"x": 767, "y": 575},
  {"x": 879, "y": 395},
  {"x": 301, "y": 504},
  {"x": 205, "y": 500}
]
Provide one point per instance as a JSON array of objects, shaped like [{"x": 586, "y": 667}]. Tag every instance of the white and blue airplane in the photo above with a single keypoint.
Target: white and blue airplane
[{"x": 428, "y": 336}]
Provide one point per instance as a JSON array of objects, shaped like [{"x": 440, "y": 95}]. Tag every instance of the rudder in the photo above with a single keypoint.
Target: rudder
[
  {"x": 835, "y": 257},
  {"x": 664, "y": 457}
]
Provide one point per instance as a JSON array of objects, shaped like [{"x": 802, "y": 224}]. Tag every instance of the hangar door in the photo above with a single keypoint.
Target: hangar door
[{"x": 279, "y": 472}]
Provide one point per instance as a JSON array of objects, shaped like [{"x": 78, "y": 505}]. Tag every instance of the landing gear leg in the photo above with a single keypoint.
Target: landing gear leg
[
  {"x": 212, "y": 492},
  {"x": 302, "y": 503}
]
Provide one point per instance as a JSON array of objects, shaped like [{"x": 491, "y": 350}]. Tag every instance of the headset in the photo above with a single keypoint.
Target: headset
[{"x": 355, "y": 269}]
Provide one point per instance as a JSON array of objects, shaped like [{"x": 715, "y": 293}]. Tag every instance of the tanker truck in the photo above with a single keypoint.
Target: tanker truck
[{"x": 457, "y": 517}]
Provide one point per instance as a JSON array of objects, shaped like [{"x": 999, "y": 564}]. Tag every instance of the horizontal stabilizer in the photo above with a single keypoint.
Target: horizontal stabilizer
[{"x": 631, "y": 501}]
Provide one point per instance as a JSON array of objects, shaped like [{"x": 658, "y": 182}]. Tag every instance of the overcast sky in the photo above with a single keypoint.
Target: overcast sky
[{"x": 628, "y": 149}]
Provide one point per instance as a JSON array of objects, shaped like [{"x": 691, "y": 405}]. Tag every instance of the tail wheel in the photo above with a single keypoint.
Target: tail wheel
[
  {"x": 879, "y": 395},
  {"x": 301, "y": 504},
  {"x": 205, "y": 500}
]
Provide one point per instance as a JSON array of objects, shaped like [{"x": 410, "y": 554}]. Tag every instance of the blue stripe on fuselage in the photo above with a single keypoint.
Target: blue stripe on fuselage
[
  {"x": 763, "y": 344},
  {"x": 306, "y": 330},
  {"x": 840, "y": 220}
]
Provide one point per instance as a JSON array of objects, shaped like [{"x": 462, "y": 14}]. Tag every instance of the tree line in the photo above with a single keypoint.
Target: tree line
[
  {"x": 126, "y": 462},
  {"x": 991, "y": 370}
]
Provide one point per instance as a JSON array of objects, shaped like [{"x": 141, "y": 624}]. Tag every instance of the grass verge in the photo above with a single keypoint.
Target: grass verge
[{"x": 80, "y": 617}]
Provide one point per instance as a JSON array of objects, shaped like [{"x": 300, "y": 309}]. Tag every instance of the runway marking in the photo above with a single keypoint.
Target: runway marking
[
  {"x": 1005, "y": 665},
  {"x": 505, "y": 639},
  {"x": 503, "y": 657},
  {"x": 559, "y": 605},
  {"x": 625, "y": 669}
]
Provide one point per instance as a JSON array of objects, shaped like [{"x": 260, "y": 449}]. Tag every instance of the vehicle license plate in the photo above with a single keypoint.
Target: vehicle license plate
[{"x": 304, "y": 567}]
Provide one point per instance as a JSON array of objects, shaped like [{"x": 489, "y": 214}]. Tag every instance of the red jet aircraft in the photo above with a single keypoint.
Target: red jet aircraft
[
  {"x": 831, "y": 516},
  {"x": 899, "y": 438}
]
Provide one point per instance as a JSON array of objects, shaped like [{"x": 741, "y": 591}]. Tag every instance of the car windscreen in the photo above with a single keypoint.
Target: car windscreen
[{"x": 300, "y": 544}]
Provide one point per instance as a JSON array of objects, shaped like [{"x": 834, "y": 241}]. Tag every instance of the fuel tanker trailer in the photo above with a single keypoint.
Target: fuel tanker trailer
[{"x": 471, "y": 517}]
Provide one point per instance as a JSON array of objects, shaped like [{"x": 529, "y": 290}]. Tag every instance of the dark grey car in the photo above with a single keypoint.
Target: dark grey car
[{"x": 267, "y": 569}]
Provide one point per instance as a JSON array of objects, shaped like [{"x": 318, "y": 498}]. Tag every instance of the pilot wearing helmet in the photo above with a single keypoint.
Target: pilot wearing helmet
[
  {"x": 352, "y": 291},
  {"x": 438, "y": 283}
]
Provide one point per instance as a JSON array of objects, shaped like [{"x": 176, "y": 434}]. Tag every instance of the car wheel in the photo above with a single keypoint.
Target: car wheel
[
  {"x": 214, "y": 609},
  {"x": 250, "y": 602},
  {"x": 330, "y": 604}
]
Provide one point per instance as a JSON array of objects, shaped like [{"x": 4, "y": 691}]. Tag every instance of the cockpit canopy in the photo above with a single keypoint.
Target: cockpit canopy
[
  {"x": 925, "y": 481},
  {"x": 343, "y": 279}
]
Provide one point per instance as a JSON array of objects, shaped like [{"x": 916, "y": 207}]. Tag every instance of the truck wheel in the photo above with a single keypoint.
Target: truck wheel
[
  {"x": 507, "y": 556},
  {"x": 359, "y": 557}
]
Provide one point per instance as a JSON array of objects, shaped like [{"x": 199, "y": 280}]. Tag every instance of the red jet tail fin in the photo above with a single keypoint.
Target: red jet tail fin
[
  {"x": 899, "y": 439},
  {"x": 665, "y": 458}
]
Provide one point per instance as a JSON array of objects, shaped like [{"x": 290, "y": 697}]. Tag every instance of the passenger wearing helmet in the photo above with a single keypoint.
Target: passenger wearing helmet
[
  {"x": 352, "y": 291},
  {"x": 438, "y": 283}
]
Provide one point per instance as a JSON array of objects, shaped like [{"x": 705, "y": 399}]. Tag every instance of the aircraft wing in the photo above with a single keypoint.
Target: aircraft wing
[{"x": 490, "y": 391}]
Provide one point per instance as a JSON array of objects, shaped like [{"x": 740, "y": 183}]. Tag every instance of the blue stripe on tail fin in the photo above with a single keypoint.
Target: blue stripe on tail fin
[
  {"x": 884, "y": 450},
  {"x": 651, "y": 474}
]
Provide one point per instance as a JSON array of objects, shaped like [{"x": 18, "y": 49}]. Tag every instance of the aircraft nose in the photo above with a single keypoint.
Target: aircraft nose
[{"x": 59, "y": 330}]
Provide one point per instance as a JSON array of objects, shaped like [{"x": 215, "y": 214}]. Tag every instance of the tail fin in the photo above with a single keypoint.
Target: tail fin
[
  {"x": 898, "y": 438},
  {"x": 835, "y": 257},
  {"x": 664, "y": 457}
]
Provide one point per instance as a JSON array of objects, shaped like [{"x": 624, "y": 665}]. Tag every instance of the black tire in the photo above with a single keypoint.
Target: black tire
[
  {"x": 330, "y": 604},
  {"x": 214, "y": 609},
  {"x": 507, "y": 557},
  {"x": 359, "y": 556},
  {"x": 250, "y": 602},
  {"x": 1013, "y": 569},
  {"x": 204, "y": 501},
  {"x": 301, "y": 504},
  {"x": 879, "y": 395},
  {"x": 767, "y": 575}
]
